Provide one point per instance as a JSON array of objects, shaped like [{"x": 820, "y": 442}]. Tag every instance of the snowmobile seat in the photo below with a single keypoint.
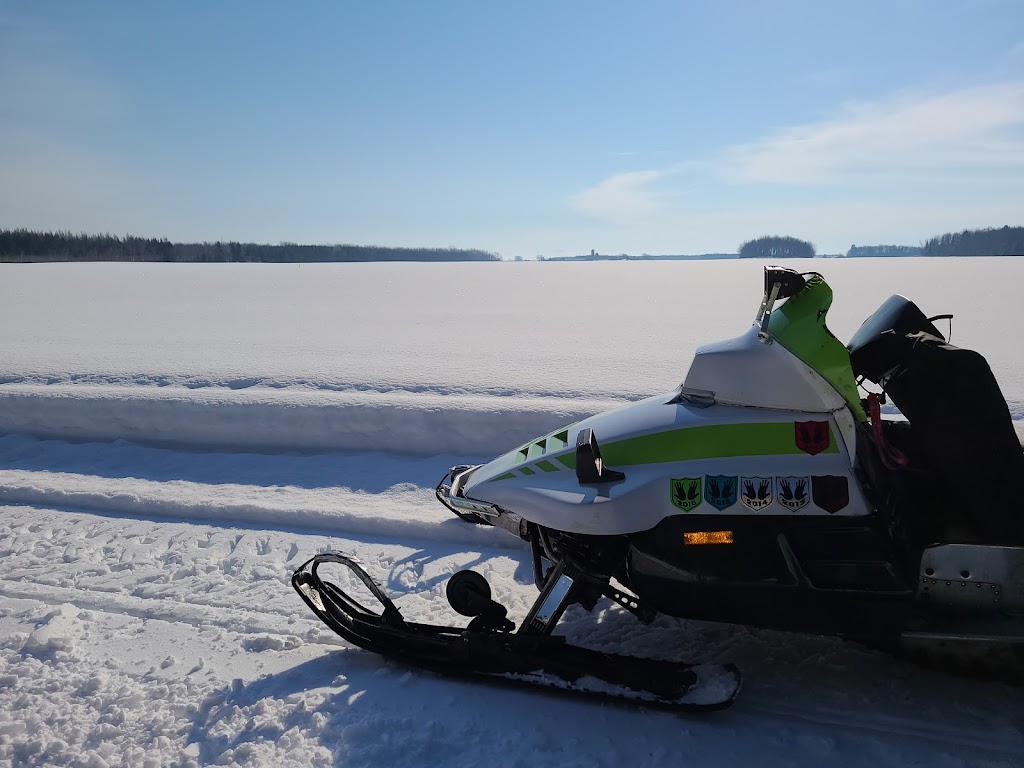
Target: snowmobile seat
[
  {"x": 961, "y": 440},
  {"x": 961, "y": 435},
  {"x": 877, "y": 347}
]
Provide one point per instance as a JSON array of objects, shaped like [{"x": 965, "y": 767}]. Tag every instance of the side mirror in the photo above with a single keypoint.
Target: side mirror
[
  {"x": 790, "y": 282},
  {"x": 779, "y": 283},
  {"x": 590, "y": 468}
]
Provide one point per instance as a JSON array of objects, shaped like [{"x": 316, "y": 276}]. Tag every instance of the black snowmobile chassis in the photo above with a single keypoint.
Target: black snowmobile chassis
[{"x": 490, "y": 651}]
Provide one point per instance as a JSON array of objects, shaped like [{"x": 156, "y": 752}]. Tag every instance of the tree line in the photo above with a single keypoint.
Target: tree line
[
  {"x": 26, "y": 245},
  {"x": 18, "y": 245},
  {"x": 1004, "y": 241},
  {"x": 883, "y": 250},
  {"x": 776, "y": 247}
]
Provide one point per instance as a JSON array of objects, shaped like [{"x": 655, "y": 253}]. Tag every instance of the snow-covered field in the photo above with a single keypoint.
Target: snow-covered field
[{"x": 176, "y": 439}]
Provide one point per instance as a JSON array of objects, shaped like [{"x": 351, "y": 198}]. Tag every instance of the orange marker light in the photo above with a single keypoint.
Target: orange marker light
[{"x": 708, "y": 537}]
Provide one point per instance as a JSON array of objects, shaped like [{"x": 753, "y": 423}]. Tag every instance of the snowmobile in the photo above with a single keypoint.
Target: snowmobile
[{"x": 767, "y": 490}]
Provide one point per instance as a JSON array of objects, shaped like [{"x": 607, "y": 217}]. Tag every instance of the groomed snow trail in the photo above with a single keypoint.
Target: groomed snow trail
[{"x": 137, "y": 631}]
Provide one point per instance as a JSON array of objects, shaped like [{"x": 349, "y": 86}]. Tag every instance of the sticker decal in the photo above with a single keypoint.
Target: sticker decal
[
  {"x": 812, "y": 437},
  {"x": 686, "y": 493},
  {"x": 830, "y": 492},
  {"x": 792, "y": 492},
  {"x": 720, "y": 491},
  {"x": 757, "y": 492}
]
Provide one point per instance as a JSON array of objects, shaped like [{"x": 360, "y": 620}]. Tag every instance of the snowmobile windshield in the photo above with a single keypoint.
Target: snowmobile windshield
[{"x": 799, "y": 326}]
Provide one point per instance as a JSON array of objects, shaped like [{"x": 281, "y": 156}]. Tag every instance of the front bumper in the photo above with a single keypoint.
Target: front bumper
[{"x": 450, "y": 492}]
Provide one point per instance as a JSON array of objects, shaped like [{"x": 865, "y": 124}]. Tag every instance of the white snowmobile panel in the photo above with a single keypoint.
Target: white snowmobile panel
[
  {"x": 721, "y": 460},
  {"x": 746, "y": 371}
]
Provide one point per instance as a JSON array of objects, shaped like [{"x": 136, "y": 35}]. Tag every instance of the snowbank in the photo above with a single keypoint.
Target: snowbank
[{"x": 259, "y": 419}]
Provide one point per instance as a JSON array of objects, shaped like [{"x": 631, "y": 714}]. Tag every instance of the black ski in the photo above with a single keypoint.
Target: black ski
[{"x": 536, "y": 660}]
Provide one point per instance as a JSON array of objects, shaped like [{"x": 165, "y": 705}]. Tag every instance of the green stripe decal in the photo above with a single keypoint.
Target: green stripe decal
[
  {"x": 715, "y": 441},
  {"x": 547, "y": 466},
  {"x": 527, "y": 471},
  {"x": 506, "y": 476}
]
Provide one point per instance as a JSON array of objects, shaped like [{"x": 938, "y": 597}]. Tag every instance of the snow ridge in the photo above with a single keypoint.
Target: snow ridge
[
  {"x": 272, "y": 420},
  {"x": 283, "y": 420},
  {"x": 329, "y": 510}
]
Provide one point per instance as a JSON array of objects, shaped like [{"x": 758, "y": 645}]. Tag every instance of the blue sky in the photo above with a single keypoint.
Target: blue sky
[{"x": 524, "y": 128}]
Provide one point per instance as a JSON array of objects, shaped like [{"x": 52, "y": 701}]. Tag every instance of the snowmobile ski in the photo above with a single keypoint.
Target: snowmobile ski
[{"x": 489, "y": 651}]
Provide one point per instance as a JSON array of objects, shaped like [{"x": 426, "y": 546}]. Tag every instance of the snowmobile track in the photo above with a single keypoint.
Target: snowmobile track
[{"x": 198, "y": 614}]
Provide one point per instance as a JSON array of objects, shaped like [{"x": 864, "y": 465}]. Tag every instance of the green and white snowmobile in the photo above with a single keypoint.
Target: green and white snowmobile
[{"x": 764, "y": 491}]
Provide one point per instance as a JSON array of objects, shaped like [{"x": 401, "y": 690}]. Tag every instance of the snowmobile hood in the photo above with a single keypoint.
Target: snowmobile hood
[
  {"x": 796, "y": 363},
  {"x": 655, "y": 442},
  {"x": 779, "y": 402}
]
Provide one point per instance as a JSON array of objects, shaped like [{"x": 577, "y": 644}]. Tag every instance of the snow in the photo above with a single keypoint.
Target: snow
[
  {"x": 176, "y": 439},
  {"x": 266, "y": 419}
]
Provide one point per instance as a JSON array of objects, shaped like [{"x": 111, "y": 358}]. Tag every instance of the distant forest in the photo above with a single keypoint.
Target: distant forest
[
  {"x": 1006, "y": 241},
  {"x": 643, "y": 257},
  {"x": 1002, "y": 241},
  {"x": 883, "y": 250},
  {"x": 19, "y": 245},
  {"x": 776, "y": 247}
]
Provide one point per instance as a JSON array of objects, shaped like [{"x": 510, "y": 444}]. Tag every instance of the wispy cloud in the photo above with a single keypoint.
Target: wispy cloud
[
  {"x": 899, "y": 170},
  {"x": 976, "y": 131},
  {"x": 622, "y": 198}
]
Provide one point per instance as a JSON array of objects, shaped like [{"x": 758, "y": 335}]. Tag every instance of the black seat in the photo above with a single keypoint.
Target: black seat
[
  {"x": 961, "y": 433},
  {"x": 876, "y": 347}
]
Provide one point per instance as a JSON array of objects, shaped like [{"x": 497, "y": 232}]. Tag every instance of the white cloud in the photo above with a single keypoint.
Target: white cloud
[
  {"x": 623, "y": 198},
  {"x": 975, "y": 132}
]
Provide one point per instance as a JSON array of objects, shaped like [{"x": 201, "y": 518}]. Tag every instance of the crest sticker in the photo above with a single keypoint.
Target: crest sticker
[
  {"x": 720, "y": 491},
  {"x": 793, "y": 492},
  {"x": 812, "y": 437},
  {"x": 830, "y": 492},
  {"x": 686, "y": 493},
  {"x": 756, "y": 493}
]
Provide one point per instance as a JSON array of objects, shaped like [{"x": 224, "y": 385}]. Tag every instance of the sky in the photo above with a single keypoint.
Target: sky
[{"x": 526, "y": 129}]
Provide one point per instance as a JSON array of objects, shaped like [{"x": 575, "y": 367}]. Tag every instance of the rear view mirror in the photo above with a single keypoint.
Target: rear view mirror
[
  {"x": 790, "y": 282},
  {"x": 779, "y": 283}
]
